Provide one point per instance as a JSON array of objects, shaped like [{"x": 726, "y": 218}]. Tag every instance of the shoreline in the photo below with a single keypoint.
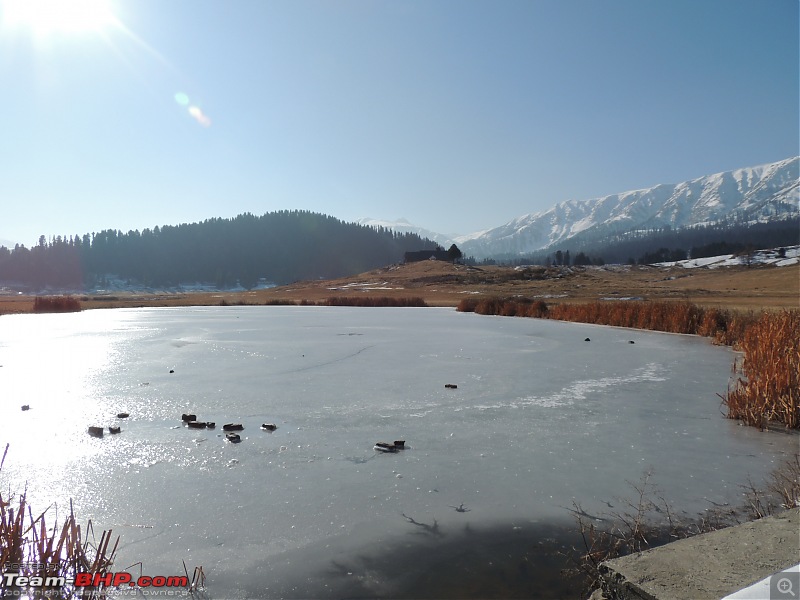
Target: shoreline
[{"x": 444, "y": 284}]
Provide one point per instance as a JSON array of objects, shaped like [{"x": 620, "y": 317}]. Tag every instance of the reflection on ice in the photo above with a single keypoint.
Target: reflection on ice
[{"x": 538, "y": 418}]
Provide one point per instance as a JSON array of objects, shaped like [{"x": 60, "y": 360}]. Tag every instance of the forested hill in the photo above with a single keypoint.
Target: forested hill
[{"x": 279, "y": 247}]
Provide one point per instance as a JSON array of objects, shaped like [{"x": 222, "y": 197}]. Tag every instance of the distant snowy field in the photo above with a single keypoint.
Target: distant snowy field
[{"x": 791, "y": 256}]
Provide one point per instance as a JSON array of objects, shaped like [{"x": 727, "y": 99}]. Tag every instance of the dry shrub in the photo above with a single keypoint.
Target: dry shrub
[
  {"x": 644, "y": 522},
  {"x": 506, "y": 307},
  {"x": 489, "y": 306},
  {"x": 738, "y": 324},
  {"x": 56, "y": 304},
  {"x": 769, "y": 388},
  {"x": 784, "y": 482},
  {"x": 279, "y": 302},
  {"x": 374, "y": 301},
  {"x": 723, "y": 326},
  {"x": 467, "y": 305},
  {"x": 782, "y": 490},
  {"x": 239, "y": 302},
  {"x": 714, "y": 323},
  {"x": 537, "y": 309},
  {"x": 648, "y": 520},
  {"x": 511, "y": 309},
  {"x": 673, "y": 317}
]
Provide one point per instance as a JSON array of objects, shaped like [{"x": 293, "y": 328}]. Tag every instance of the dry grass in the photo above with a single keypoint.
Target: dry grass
[
  {"x": 769, "y": 387},
  {"x": 31, "y": 548},
  {"x": 782, "y": 491},
  {"x": 373, "y": 301},
  {"x": 360, "y": 301},
  {"x": 445, "y": 284},
  {"x": 724, "y": 326},
  {"x": 56, "y": 304},
  {"x": 645, "y": 522},
  {"x": 648, "y": 520}
]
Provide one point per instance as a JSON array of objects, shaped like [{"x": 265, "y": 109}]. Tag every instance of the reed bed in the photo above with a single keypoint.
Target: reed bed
[
  {"x": 723, "y": 326},
  {"x": 269, "y": 302},
  {"x": 766, "y": 386},
  {"x": 370, "y": 301},
  {"x": 56, "y": 304},
  {"x": 280, "y": 302},
  {"x": 30, "y": 548},
  {"x": 364, "y": 301}
]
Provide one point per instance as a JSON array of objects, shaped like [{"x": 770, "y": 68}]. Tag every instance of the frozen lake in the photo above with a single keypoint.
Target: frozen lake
[{"x": 540, "y": 417}]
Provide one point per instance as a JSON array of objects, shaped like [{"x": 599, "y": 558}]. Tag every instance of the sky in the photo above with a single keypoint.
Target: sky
[{"x": 455, "y": 115}]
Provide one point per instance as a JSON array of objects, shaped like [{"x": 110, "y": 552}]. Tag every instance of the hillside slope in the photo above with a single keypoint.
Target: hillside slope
[{"x": 754, "y": 194}]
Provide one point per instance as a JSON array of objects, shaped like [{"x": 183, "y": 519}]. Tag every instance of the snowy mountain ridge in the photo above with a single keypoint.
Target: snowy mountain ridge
[
  {"x": 752, "y": 194},
  {"x": 403, "y": 226}
]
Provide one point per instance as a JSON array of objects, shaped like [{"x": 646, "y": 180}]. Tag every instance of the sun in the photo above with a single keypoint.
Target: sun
[{"x": 45, "y": 17}]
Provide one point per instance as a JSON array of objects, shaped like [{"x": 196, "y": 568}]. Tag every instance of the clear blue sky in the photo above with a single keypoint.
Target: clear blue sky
[{"x": 457, "y": 115}]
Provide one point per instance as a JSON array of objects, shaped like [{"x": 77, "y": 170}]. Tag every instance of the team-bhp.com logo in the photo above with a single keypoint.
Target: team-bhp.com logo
[{"x": 93, "y": 580}]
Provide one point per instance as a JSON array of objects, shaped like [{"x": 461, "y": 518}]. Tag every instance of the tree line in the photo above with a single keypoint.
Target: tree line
[
  {"x": 279, "y": 247},
  {"x": 663, "y": 244}
]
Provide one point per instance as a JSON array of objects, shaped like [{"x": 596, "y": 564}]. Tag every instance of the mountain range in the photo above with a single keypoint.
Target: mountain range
[{"x": 749, "y": 195}]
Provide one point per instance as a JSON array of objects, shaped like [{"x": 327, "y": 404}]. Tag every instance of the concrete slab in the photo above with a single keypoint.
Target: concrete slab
[{"x": 708, "y": 566}]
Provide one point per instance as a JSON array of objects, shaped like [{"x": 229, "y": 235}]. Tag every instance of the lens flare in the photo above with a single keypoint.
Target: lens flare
[
  {"x": 199, "y": 116},
  {"x": 195, "y": 111}
]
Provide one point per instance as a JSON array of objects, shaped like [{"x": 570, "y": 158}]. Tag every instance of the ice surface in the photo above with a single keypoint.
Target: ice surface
[{"x": 539, "y": 417}]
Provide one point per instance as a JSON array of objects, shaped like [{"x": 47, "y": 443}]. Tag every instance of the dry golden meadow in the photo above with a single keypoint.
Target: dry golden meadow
[{"x": 444, "y": 284}]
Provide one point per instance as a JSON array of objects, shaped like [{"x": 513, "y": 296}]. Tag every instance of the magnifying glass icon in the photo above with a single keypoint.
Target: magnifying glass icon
[{"x": 785, "y": 586}]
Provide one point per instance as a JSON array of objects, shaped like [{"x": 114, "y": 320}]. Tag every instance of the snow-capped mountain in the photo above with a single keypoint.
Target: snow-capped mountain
[
  {"x": 755, "y": 194},
  {"x": 403, "y": 226}
]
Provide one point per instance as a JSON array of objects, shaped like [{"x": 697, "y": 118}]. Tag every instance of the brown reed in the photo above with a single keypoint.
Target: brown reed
[
  {"x": 56, "y": 304},
  {"x": 280, "y": 302},
  {"x": 373, "y": 301},
  {"x": 30, "y": 548},
  {"x": 769, "y": 386}
]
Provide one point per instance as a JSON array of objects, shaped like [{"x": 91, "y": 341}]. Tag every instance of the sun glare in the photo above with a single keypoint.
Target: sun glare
[{"x": 57, "y": 16}]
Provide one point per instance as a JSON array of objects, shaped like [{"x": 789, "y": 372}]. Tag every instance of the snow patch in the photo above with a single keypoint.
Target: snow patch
[{"x": 789, "y": 256}]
